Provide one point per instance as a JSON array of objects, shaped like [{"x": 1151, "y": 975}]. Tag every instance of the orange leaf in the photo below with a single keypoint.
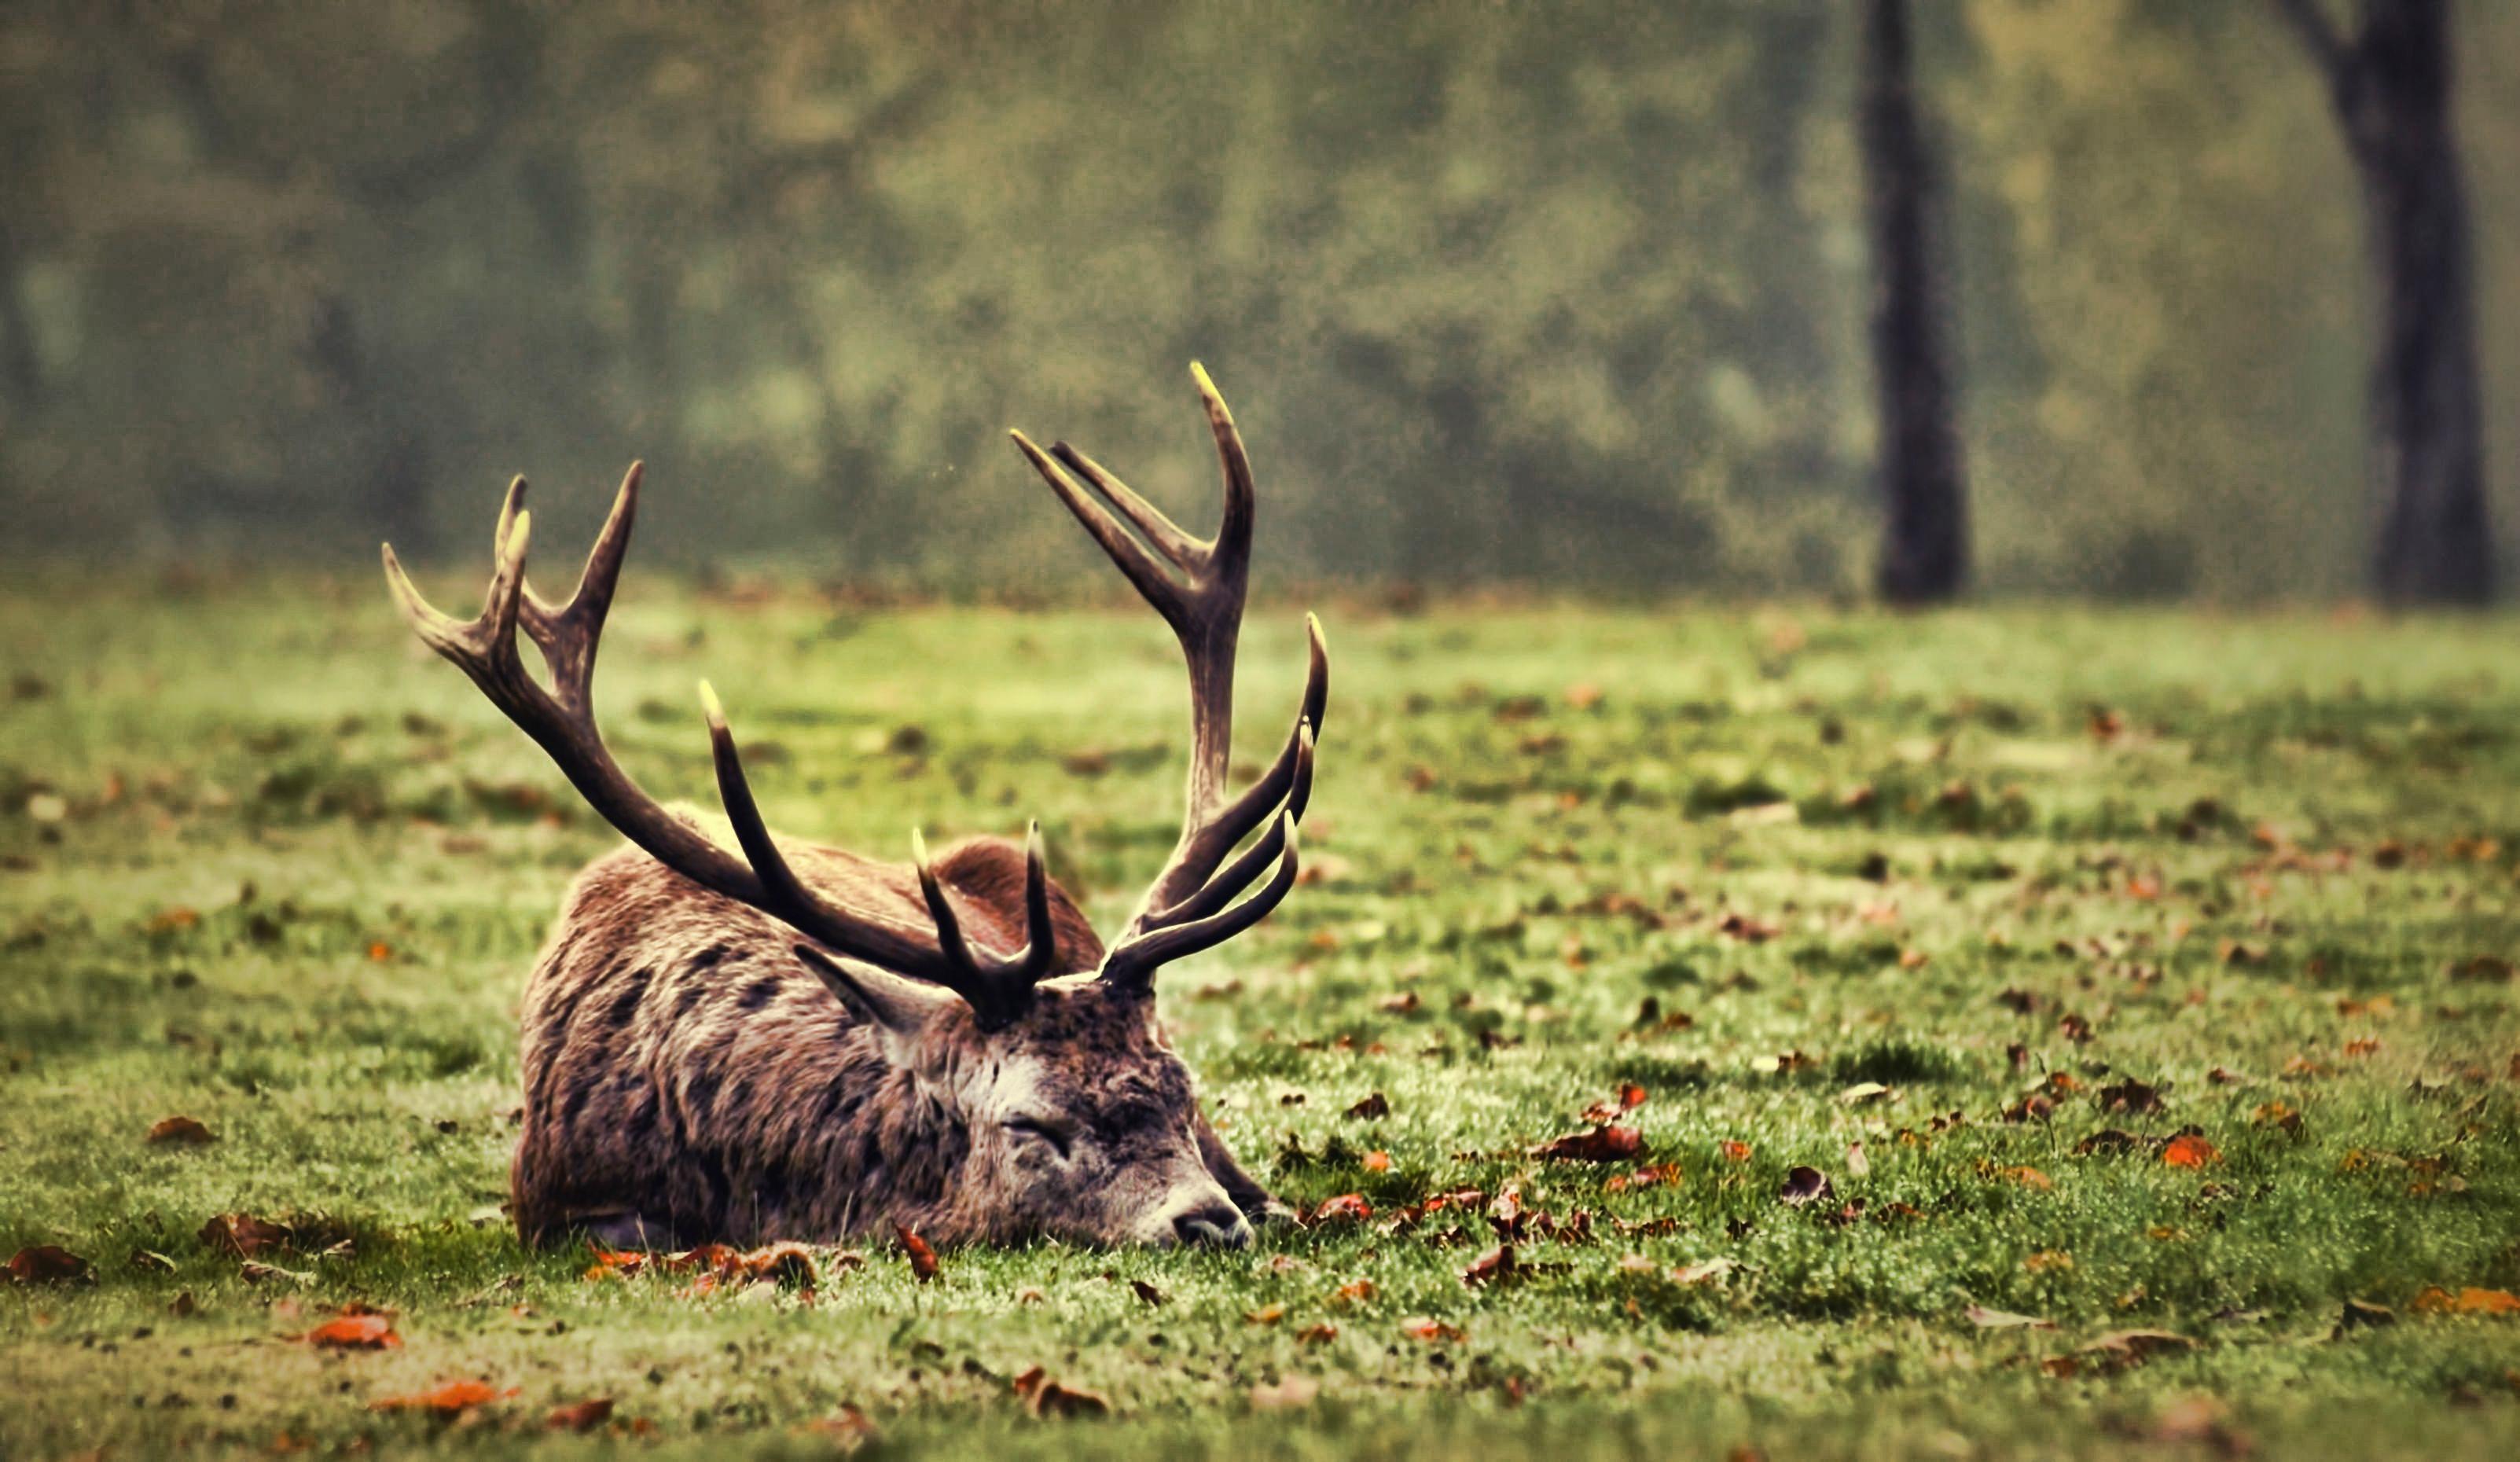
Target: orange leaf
[
  {"x": 2467, "y": 1302},
  {"x": 451, "y": 1399},
  {"x": 1345, "y": 1206},
  {"x": 922, "y": 1259},
  {"x": 1433, "y": 1332},
  {"x": 366, "y": 1331},
  {"x": 2188, "y": 1150},
  {"x": 1733, "y": 1152}
]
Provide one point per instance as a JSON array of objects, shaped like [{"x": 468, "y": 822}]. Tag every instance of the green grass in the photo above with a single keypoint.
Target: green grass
[{"x": 299, "y": 871}]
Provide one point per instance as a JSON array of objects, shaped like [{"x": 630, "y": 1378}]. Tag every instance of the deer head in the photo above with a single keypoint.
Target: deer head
[{"x": 1055, "y": 1103}]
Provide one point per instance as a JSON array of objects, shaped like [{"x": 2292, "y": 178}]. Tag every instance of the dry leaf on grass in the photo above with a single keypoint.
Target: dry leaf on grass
[
  {"x": 365, "y": 1331},
  {"x": 922, "y": 1259},
  {"x": 47, "y": 1264},
  {"x": 1047, "y": 1398},
  {"x": 454, "y": 1398},
  {"x": 1603, "y": 1144},
  {"x": 580, "y": 1416},
  {"x": 181, "y": 1131}
]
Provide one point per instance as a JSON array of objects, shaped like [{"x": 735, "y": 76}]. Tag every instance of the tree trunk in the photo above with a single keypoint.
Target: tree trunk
[
  {"x": 2391, "y": 85},
  {"x": 1924, "y": 544}
]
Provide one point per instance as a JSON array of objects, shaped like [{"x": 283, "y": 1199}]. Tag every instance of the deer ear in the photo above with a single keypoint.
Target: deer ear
[{"x": 901, "y": 1007}]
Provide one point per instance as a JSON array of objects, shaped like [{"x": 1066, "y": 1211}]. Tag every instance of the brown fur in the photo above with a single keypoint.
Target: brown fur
[{"x": 689, "y": 1078}]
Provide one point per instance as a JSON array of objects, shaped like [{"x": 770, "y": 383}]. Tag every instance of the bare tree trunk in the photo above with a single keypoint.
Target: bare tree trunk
[
  {"x": 1924, "y": 544},
  {"x": 2390, "y": 81}
]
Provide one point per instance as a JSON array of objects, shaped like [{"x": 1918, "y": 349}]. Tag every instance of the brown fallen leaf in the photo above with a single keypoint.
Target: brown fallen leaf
[
  {"x": 1267, "y": 1314},
  {"x": 454, "y": 1398},
  {"x": 1373, "y": 1108},
  {"x": 355, "y": 1332},
  {"x": 922, "y": 1259},
  {"x": 1433, "y": 1332},
  {"x": 2188, "y": 1150},
  {"x": 1803, "y": 1185},
  {"x": 1351, "y": 1206},
  {"x": 1047, "y": 1398},
  {"x": 1496, "y": 1267},
  {"x": 846, "y": 1430},
  {"x": 1317, "y": 1335},
  {"x": 244, "y": 1236},
  {"x": 1146, "y": 1294},
  {"x": 2125, "y": 1348},
  {"x": 579, "y": 1416},
  {"x": 48, "y": 1263},
  {"x": 1354, "y": 1291},
  {"x": 1603, "y": 1144},
  {"x": 181, "y": 1130}
]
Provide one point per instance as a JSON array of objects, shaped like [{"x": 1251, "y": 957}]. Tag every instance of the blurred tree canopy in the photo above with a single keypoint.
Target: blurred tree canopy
[{"x": 1568, "y": 294}]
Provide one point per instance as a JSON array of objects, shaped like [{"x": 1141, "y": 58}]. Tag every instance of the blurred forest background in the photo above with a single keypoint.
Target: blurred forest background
[{"x": 1571, "y": 295}]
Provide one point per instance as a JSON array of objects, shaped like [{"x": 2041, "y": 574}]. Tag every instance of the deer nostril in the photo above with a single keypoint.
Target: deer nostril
[{"x": 1219, "y": 1225}]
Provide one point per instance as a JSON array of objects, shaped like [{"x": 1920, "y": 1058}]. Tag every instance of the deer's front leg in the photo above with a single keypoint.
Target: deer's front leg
[{"x": 1253, "y": 1200}]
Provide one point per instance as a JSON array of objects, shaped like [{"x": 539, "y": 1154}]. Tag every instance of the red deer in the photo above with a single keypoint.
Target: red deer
[{"x": 803, "y": 1043}]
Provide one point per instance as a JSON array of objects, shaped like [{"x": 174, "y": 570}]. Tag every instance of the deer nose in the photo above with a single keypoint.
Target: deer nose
[{"x": 1218, "y": 1225}]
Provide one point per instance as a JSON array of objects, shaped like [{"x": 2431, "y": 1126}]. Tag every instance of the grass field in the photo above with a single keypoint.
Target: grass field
[{"x": 1944, "y": 887}]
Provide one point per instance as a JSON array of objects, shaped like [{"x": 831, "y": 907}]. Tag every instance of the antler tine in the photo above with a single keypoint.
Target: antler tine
[
  {"x": 1219, "y": 891},
  {"x": 1168, "y": 536},
  {"x": 569, "y": 634},
  {"x": 997, "y": 988},
  {"x": 1136, "y": 562},
  {"x": 1133, "y": 962},
  {"x": 1233, "y": 535}
]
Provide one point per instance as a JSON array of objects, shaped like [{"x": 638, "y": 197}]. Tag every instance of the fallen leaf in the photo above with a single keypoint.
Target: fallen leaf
[
  {"x": 2131, "y": 1096},
  {"x": 47, "y": 1264},
  {"x": 1861, "y": 1093},
  {"x": 1354, "y": 1291},
  {"x": 181, "y": 1129},
  {"x": 1267, "y": 1314},
  {"x": 1347, "y": 1205},
  {"x": 1047, "y": 1398},
  {"x": 1373, "y": 1108},
  {"x": 1317, "y": 1335},
  {"x": 1803, "y": 1185},
  {"x": 1603, "y": 1144},
  {"x": 451, "y": 1399},
  {"x": 1146, "y": 1294},
  {"x": 2003, "y": 1319},
  {"x": 2134, "y": 1346},
  {"x": 365, "y": 1331},
  {"x": 847, "y": 1429},
  {"x": 1431, "y": 1331},
  {"x": 1733, "y": 1152},
  {"x": 243, "y": 1236},
  {"x": 922, "y": 1259},
  {"x": 580, "y": 1416},
  {"x": 2188, "y": 1150},
  {"x": 2467, "y": 1302},
  {"x": 1704, "y": 1271},
  {"x": 1857, "y": 1166},
  {"x": 1494, "y": 1267},
  {"x": 1377, "y": 1161},
  {"x": 2029, "y": 1177}
]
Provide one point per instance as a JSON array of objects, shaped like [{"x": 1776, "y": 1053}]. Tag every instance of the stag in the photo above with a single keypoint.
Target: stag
[{"x": 790, "y": 1040}]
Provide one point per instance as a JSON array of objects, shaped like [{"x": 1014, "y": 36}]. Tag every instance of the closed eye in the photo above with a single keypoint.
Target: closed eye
[{"x": 1032, "y": 1130}]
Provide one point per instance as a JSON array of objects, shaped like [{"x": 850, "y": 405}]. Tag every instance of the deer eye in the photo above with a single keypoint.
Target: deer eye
[{"x": 1033, "y": 1129}]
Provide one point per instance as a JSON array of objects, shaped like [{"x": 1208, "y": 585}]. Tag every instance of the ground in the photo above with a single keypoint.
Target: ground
[{"x": 2010, "y": 898}]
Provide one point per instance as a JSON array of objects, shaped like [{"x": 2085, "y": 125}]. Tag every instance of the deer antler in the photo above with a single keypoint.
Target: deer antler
[
  {"x": 1198, "y": 588},
  {"x": 562, "y": 720}
]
